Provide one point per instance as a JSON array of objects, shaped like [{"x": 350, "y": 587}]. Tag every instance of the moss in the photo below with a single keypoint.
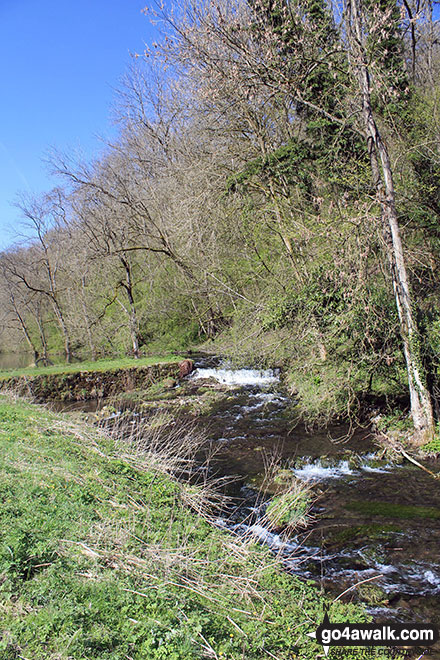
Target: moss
[
  {"x": 391, "y": 510},
  {"x": 359, "y": 533},
  {"x": 372, "y": 595}
]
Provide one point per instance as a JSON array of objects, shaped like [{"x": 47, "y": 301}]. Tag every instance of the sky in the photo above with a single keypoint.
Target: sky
[{"x": 60, "y": 63}]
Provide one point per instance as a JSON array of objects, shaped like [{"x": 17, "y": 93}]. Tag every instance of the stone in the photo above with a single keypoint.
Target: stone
[
  {"x": 185, "y": 368},
  {"x": 168, "y": 383}
]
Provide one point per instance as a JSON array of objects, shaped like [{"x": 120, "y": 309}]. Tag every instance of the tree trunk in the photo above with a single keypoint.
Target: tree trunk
[
  {"x": 133, "y": 322},
  {"x": 45, "y": 354},
  {"x": 431, "y": 42},
  {"x": 421, "y": 407},
  {"x": 87, "y": 321},
  {"x": 25, "y": 330},
  {"x": 63, "y": 328}
]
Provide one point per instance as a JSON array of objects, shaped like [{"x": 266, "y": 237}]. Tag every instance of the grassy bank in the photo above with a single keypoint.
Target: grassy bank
[
  {"x": 99, "y": 365},
  {"x": 102, "y": 557}
]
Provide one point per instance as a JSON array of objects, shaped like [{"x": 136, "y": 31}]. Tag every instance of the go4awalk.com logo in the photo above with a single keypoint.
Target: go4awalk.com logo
[{"x": 373, "y": 634}]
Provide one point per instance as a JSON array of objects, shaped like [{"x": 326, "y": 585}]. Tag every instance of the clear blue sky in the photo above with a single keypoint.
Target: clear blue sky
[{"x": 59, "y": 64}]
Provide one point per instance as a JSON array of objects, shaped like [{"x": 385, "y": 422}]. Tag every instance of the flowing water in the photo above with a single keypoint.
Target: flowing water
[
  {"x": 376, "y": 524},
  {"x": 375, "y": 533}
]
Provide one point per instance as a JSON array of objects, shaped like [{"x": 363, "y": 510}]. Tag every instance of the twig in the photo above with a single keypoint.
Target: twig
[
  {"x": 422, "y": 467},
  {"x": 271, "y": 654},
  {"x": 236, "y": 626},
  {"x": 138, "y": 593},
  {"x": 375, "y": 577},
  {"x": 85, "y": 548}
]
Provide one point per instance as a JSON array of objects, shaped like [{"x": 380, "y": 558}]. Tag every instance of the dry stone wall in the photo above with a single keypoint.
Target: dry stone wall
[{"x": 84, "y": 385}]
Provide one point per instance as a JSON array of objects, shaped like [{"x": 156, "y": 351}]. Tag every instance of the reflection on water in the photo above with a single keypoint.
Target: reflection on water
[
  {"x": 15, "y": 360},
  {"x": 10, "y": 361}
]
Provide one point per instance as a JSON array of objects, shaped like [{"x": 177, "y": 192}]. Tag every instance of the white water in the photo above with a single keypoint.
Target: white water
[
  {"x": 377, "y": 470},
  {"x": 238, "y": 376},
  {"x": 315, "y": 471},
  {"x": 274, "y": 541},
  {"x": 261, "y": 400},
  {"x": 396, "y": 577},
  {"x": 426, "y": 576},
  {"x": 350, "y": 566}
]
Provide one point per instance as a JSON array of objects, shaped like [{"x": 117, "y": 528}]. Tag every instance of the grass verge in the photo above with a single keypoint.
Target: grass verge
[
  {"x": 99, "y": 365},
  {"x": 101, "y": 557}
]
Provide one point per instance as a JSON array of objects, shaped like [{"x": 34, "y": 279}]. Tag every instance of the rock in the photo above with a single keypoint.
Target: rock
[
  {"x": 168, "y": 383},
  {"x": 185, "y": 368}
]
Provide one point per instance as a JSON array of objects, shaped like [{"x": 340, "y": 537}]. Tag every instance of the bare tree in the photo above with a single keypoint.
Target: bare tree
[{"x": 38, "y": 267}]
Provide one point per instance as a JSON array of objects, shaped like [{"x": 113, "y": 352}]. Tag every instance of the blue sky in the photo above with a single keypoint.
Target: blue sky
[{"x": 59, "y": 64}]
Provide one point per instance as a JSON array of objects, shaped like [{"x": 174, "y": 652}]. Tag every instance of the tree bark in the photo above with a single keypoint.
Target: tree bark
[
  {"x": 88, "y": 324},
  {"x": 63, "y": 327},
  {"x": 42, "y": 334}
]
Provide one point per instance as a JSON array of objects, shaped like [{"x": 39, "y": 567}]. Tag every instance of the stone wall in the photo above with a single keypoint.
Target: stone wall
[{"x": 84, "y": 385}]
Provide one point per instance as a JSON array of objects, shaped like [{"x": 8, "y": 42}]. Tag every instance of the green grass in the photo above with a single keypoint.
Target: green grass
[
  {"x": 101, "y": 558},
  {"x": 433, "y": 447},
  {"x": 99, "y": 365},
  {"x": 290, "y": 508}
]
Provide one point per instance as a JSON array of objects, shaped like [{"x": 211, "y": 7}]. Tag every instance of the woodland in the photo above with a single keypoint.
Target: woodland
[{"x": 273, "y": 194}]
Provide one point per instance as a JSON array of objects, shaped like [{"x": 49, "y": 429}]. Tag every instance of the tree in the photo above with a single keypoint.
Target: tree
[
  {"x": 421, "y": 408},
  {"x": 15, "y": 306},
  {"x": 38, "y": 268},
  {"x": 277, "y": 48}
]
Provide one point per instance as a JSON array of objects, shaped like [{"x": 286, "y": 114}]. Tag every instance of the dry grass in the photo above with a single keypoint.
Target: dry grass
[{"x": 181, "y": 450}]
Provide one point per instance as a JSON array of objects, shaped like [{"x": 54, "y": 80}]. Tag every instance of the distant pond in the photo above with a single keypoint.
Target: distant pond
[
  {"x": 15, "y": 360},
  {"x": 10, "y": 360}
]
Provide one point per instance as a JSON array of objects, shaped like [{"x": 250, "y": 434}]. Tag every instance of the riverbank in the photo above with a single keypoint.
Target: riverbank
[
  {"x": 89, "y": 380},
  {"x": 102, "y": 557}
]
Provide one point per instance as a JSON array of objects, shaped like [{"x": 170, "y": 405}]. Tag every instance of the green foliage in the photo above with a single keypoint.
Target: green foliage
[
  {"x": 395, "y": 421},
  {"x": 321, "y": 300},
  {"x": 173, "y": 333},
  {"x": 348, "y": 343},
  {"x": 291, "y": 162},
  {"x": 433, "y": 446}
]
